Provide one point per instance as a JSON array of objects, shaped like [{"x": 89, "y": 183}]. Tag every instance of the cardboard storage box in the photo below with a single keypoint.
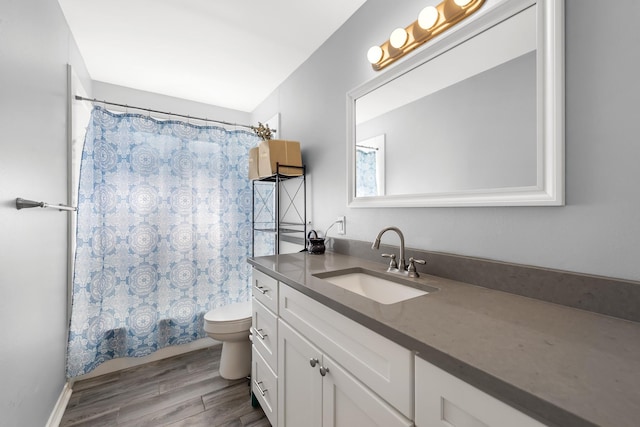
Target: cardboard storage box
[
  {"x": 275, "y": 151},
  {"x": 253, "y": 163}
]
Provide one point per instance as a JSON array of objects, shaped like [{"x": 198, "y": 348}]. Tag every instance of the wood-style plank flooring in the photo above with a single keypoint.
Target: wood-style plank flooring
[{"x": 181, "y": 391}]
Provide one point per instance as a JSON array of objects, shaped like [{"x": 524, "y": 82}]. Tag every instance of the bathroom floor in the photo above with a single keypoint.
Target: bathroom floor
[{"x": 184, "y": 390}]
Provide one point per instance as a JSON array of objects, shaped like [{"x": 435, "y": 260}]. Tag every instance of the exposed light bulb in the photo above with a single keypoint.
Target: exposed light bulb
[
  {"x": 374, "y": 55},
  {"x": 431, "y": 21},
  {"x": 428, "y": 17},
  {"x": 398, "y": 37}
]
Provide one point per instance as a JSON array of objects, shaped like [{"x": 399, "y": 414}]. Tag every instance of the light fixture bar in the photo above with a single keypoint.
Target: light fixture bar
[{"x": 437, "y": 20}]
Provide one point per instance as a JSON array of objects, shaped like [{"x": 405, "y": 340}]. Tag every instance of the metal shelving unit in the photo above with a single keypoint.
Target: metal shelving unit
[{"x": 279, "y": 209}]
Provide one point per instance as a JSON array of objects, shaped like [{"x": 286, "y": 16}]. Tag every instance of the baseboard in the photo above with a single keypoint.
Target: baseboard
[{"x": 61, "y": 405}]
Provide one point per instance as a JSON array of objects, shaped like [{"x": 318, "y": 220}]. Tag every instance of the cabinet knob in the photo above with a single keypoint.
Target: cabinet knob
[
  {"x": 323, "y": 370},
  {"x": 313, "y": 361}
]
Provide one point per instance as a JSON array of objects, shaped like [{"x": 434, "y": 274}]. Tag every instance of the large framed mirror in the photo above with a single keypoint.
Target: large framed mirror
[{"x": 476, "y": 118}]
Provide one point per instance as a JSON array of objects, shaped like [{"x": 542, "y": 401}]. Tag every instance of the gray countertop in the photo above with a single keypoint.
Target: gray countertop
[{"x": 563, "y": 366}]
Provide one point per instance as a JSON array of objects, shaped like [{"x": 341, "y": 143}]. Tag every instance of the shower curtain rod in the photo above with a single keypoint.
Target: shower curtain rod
[
  {"x": 24, "y": 203},
  {"x": 82, "y": 98}
]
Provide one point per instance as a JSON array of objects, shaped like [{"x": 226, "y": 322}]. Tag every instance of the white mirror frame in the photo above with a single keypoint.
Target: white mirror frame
[{"x": 549, "y": 188}]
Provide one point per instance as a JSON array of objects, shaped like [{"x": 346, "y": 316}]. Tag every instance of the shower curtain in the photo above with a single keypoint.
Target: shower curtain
[
  {"x": 164, "y": 230},
  {"x": 366, "y": 172}
]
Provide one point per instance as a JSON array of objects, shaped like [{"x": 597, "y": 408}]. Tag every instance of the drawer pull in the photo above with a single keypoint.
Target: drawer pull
[
  {"x": 257, "y": 384},
  {"x": 260, "y": 334},
  {"x": 313, "y": 361},
  {"x": 261, "y": 289},
  {"x": 323, "y": 370}
]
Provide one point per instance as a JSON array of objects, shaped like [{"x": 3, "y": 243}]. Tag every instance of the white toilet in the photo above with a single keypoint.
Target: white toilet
[{"x": 230, "y": 325}]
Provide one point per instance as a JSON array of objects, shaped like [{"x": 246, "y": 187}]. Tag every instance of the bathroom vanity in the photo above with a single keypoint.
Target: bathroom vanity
[{"x": 458, "y": 355}]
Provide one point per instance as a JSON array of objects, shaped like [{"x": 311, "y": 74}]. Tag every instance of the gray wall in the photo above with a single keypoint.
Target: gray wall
[
  {"x": 596, "y": 232},
  {"x": 35, "y": 46}
]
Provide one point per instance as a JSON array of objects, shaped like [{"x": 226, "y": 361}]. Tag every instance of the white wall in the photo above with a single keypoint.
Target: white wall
[
  {"x": 35, "y": 46},
  {"x": 596, "y": 232},
  {"x": 154, "y": 101}
]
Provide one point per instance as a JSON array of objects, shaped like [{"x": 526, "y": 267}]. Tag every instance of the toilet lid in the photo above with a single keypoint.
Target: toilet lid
[{"x": 230, "y": 313}]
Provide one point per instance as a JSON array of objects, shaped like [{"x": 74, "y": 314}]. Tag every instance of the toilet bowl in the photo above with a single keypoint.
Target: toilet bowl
[{"x": 230, "y": 325}]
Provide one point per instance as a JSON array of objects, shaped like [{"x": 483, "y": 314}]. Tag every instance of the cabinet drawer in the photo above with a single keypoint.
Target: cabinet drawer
[
  {"x": 265, "y": 290},
  {"x": 264, "y": 385},
  {"x": 443, "y": 400},
  {"x": 265, "y": 334},
  {"x": 382, "y": 365}
]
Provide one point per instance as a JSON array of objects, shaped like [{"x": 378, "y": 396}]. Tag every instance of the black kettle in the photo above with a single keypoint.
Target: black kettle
[{"x": 316, "y": 244}]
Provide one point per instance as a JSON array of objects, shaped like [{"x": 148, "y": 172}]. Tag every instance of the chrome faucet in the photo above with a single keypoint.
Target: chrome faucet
[
  {"x": 394, "y": 267},
  {"x": 376, "y": 245}
]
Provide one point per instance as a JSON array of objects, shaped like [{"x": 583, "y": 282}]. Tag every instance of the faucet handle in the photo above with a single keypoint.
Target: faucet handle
[
  {"x": 411, "y": 270},
  {"x": 393, "y": 264}
]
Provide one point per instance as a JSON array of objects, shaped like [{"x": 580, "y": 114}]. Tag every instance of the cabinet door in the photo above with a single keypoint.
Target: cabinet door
[
  {"x": 299, "y": 384},
  {"x": 443, "y": 400},
  {"x": 347, "y": 402},
  {"x": 377, "y": 362}
]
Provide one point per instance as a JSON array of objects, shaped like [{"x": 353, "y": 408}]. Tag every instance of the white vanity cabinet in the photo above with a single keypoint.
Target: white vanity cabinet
[
  {"x": 443, "y": 400},
  {"x": 264, "y": 331},
  {"x": 314, "y": 367},
  {"x": 316, "y": 391},
  {"x": 333, "y": 371}
]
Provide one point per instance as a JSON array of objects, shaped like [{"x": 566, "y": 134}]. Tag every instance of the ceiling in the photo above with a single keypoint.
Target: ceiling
[{"x": 229, "y": 53}]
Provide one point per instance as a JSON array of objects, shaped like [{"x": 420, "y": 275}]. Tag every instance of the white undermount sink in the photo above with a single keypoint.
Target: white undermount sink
[{"x": 373, "y": 285}]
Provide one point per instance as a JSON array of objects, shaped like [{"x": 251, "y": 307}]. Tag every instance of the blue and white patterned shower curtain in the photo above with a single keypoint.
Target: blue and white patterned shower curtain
[
  {"x": 366, "y": 172},
  {"x": 164, "y": 230}
]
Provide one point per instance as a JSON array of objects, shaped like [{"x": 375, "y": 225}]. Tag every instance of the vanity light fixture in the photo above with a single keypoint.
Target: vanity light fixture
[{"x": 431, "y": 21}]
